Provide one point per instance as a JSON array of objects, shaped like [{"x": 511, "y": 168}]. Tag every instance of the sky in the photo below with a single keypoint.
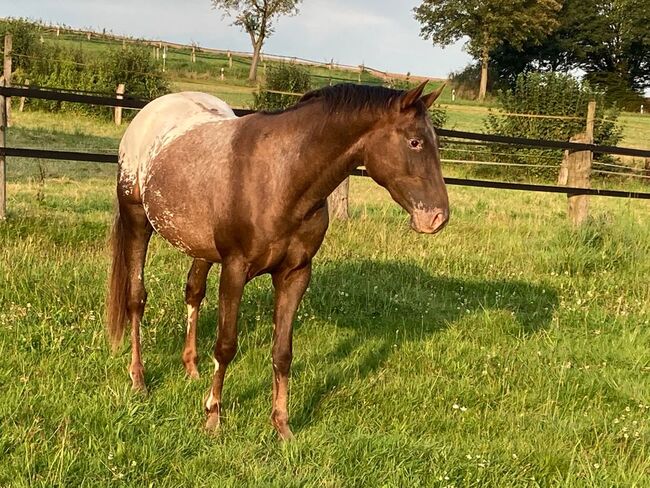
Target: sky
[{"x": 381, "y": 34}]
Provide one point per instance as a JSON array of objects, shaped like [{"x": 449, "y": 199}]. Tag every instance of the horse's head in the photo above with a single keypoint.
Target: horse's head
[{"x": 401, "y": 154}]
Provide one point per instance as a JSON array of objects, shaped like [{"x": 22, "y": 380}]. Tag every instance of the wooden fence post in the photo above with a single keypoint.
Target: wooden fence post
[
  {"x": 563, "y": 175},
  {"x": 579, "y": 171},
  {"x": 646, "y": 169},
  {"x": 3, "y": 163},
  {"x": 193, "y": 54},
  {"x": 22, "y": 99},
  {"x": 118, "y": 110},
  {"x": 164, "y": 57},
  {"x": 6, "y": 72},
  {"x": 337, "y": 202}
]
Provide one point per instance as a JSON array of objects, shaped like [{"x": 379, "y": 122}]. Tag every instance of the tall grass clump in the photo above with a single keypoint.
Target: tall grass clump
[{"x": 600, "y": 244}]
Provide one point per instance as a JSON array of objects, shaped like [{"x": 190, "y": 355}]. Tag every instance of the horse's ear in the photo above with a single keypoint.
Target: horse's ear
[
  {"x": 433, "y": 96},
  {"x": 409, "y": 98}
]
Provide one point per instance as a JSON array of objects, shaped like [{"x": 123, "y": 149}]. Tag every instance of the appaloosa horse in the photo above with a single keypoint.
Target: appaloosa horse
[{"x": 250, "y": 193}]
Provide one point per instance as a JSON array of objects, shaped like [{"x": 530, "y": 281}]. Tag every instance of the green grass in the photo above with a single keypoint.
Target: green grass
[{"x": 507, "y": 351}]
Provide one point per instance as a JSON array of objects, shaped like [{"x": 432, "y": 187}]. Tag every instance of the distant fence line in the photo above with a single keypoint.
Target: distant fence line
[{"x": 195, "y": 49}]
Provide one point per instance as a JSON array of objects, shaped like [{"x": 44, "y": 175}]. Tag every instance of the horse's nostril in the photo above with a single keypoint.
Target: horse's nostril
[
  {"x": 429, "y": 221},
  {"x": 439, "y": 221}
]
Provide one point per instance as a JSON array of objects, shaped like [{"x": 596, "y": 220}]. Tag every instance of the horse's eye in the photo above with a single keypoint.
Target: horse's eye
[{"x": 415, "y": 143}]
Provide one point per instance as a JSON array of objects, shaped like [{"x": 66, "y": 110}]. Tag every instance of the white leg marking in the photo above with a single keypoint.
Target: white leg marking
[
  {"x": 209, "y": 403},
  {"x": 191, "y": 310},
  {"x": 216, "y": 365}
]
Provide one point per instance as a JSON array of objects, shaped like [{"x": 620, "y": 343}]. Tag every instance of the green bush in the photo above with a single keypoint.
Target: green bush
[
  {"x": 438, "y": 116},
  {"x": 617, "y": 90},
  {"x": 137, "y": 69},
  {"x": 545, "y": 94},
  {"x": 25, "y": 40},
  {"x": 284, "y": 77},
  {"x": 67, "y": 68}
]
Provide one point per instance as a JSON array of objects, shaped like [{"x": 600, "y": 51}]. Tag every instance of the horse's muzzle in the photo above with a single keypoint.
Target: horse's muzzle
[{"x": 429, "y": 221}]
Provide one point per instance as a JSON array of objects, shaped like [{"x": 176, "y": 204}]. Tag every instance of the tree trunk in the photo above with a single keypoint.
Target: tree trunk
[
  {"x": 485, "y": 58},
  {"x": 257, "y": 49}
]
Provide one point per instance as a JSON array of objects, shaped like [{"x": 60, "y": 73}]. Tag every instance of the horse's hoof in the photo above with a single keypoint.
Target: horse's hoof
[
  {"x": 213, "y": 423},
  {"x": 192, "y": 373},
  {"x": 281, "y": 423},
  {"x": 140, "y": 388},
  {"x": 285, "y": 434},
  {"x": 137, "y": 383}
]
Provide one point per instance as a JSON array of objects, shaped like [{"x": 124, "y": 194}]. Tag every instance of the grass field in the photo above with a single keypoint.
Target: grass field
[{"x": 507, "y": 351}]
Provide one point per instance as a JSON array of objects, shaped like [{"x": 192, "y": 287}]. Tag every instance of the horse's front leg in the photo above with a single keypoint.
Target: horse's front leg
[
  {"x": 290, "y": 285},
  {"x": 231, "y": 287}
]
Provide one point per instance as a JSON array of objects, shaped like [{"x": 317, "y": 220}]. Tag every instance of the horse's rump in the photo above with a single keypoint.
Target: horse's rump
[{"x": 167, "y": 149}]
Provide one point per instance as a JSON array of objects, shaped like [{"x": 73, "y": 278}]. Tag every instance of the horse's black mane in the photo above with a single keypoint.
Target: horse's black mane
[{"x": 348, "y": 97}]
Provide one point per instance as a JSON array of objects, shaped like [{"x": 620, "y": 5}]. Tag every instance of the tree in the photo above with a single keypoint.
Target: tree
[
  {"x": 256, "y": 17},
  {"x": 487, "y": 24},
  {"x": 608, "y": 39}
]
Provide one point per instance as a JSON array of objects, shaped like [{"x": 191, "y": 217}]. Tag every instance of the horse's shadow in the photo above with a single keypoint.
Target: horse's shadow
[{"x": 388, "y": 304}]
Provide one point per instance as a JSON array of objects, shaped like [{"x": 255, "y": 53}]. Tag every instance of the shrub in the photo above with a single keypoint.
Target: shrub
[
  {"x": 617, "y": 90},
  {"x": 546, "y": 94},
  {"x": 25, "y": 40},
  {"x": 137, "y": 69},
  {"x": 73, "y": 69},
  {"x": 284, "y": 77},
  {"x": 438, "y": 116}
]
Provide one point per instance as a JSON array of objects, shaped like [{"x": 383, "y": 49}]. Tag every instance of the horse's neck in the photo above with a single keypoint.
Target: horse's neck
[{"x": 330, "y": 149}]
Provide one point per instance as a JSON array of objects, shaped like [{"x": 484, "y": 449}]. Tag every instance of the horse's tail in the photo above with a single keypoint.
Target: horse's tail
[{"x": 116, "y": 300}]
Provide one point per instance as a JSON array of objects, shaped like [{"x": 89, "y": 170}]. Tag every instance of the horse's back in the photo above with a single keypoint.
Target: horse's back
[{"x": 158, "y": 124}]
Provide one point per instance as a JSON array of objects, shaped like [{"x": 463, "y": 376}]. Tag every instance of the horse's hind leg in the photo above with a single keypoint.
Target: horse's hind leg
[
  {"x": 194, "y": 294},
  {"x": 137, "y": 232}
]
